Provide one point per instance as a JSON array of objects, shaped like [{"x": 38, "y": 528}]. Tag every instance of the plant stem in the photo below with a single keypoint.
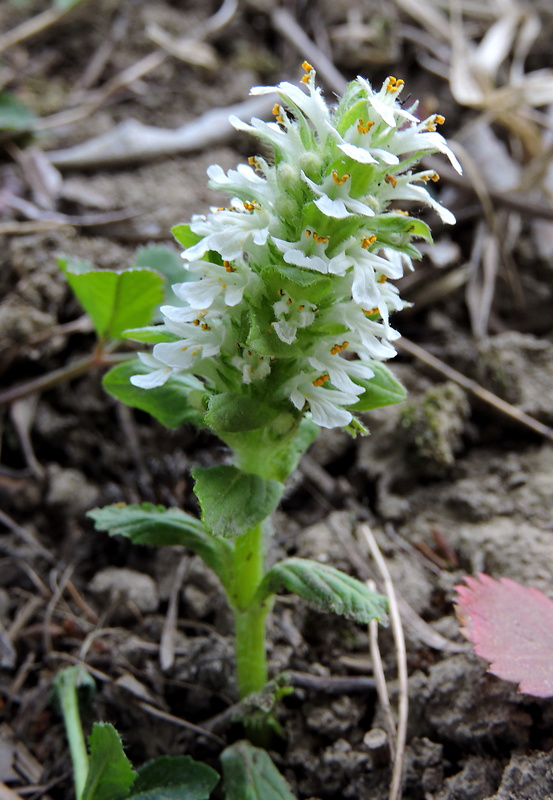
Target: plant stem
[
  {"x": 249, "y": 620},
  {"x": 67, "y": 693}
]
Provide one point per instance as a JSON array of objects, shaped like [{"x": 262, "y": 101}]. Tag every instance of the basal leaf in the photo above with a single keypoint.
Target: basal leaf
[
  {"x": 249, "y": 774},
  {"x": 148, "y": 524},
  {"x": 170, "y": 403},
  {"x": 325, "y": 587},
  {"x": 382, "y": 390},
  {"x": 511, "y": 626},
  {"x": 110, "y": 774},
  {"x": 174, "y": 778},
  {"x": 233, "y": 501},
  {"x": 115, "y": 300}
]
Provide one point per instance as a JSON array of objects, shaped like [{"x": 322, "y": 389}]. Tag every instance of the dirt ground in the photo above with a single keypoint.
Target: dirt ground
[{"x": 450, "y": 481}]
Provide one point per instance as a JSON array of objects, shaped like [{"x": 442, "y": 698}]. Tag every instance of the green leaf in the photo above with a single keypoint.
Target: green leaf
[
  {"x": 249, "y": 774},
  {"x": 325, "y": 587},
  {"x": 114, "y": 300},
  {"x": 233, "y": 413},
  {"x": 148, "y": 524},
  {"x": 170, "y": 404},
  {"x": 233, "y": 501},
  {"x": 382, "y": 390},
  {"x": 185, "y": 236},
  {"x": 110, "y": 774},
  {"x": 14, "y": 116},
  {"x": 177, "y": 778}
]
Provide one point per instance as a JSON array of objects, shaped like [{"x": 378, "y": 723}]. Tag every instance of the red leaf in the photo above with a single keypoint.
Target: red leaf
[{"x": 511, "y": 626}]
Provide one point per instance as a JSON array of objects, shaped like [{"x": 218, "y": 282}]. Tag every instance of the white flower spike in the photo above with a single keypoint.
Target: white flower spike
[{"x": 289, "y": 294}]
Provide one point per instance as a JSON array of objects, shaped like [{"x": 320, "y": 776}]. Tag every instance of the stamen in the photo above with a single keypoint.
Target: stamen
[
  {"x": 340, "y": 181},
  {"x": 276, "y": 109},
  {"x": 228, "y": 267},
  {"x": 321, "y": 379},
  {"x": 364, "y": 127},
  {"x": 205, "y": 326},
  {"x": 248, "y": 206},
  {"x": 308, "y": 69},
  {"x": 195, "y": 322},
  {"x": 391, "y": 180},
  {"x": 383, "y": 279},
  {"x": 367, "y": 241},
  {"x": 370, "y": 312},
  {"x": 307, "y": 233},
  {"x": 393, "y": 84}
]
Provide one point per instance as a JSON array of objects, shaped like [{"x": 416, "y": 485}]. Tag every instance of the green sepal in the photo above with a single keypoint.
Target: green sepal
[
  {"x": 233, "y": 502},
  {"x": 150, "y": 334},
  {"x": 325, "y": 587},
  {"x": 184, "y": 235},
  {"x": 110, "y": 774},
  {"x": 114, "y": 300},
  {"x": 393, "y": 223},
  {"x": 170, "y": 404},
  {"x": 174, "y": 778},
  {"x": 381, "y": 390},
  {"x": 234, "y": 413},
  {"x": 156, "y": 526},
  {"x": 249, "y": 774}
]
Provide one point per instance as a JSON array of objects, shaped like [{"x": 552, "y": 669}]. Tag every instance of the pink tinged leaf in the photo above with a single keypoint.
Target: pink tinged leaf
[{"x": 511, "y": 626}]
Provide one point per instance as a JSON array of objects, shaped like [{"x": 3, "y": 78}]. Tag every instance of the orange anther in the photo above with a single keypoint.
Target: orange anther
[
  {"x": 391, "y": 180},
  {"x": 367, "y": 241},
  {"x": 364, "y": 127}
]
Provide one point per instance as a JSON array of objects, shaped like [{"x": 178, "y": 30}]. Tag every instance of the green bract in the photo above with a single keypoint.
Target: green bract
[{"x": 287, "y": 292}]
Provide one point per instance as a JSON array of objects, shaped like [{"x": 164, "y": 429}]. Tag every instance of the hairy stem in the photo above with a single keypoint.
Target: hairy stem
[{"x": 250, "y": 620}]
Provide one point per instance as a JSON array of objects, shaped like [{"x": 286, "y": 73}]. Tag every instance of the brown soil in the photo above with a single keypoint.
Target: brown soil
[{"x": 449, "y": 484}]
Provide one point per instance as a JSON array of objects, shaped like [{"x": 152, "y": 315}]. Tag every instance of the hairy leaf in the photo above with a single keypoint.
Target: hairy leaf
[
  {"x": 249, "y": 774},
  {"x": 177, "y": 778},
  {"x": 169, "y": 404},
  {"x": 511, "y": 626},
  {"x": 110, "y": 774},
  {"x": 233, "y": 501},
  {"x": 325, "y": 587},
  {"x": 152, "y": 525}
]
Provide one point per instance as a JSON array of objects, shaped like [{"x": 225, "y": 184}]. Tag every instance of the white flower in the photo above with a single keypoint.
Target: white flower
[
  {"x": 291, "y": 315},
  {"x": 215, "y": 280},
  {"x": 160, "y": 373},
  {"x": 326, "y": 405},
  {"x": 200, "y": 341},
  {"x": 333, "y": 197},
  {"x": 252, "y": 366},
  {"x": 228, "y": 232}
]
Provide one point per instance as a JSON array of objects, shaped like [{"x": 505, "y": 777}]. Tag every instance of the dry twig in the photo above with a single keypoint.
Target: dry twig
[
  {"x": 397, "y": 631},
  {"x": 472, "y": 386}
]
